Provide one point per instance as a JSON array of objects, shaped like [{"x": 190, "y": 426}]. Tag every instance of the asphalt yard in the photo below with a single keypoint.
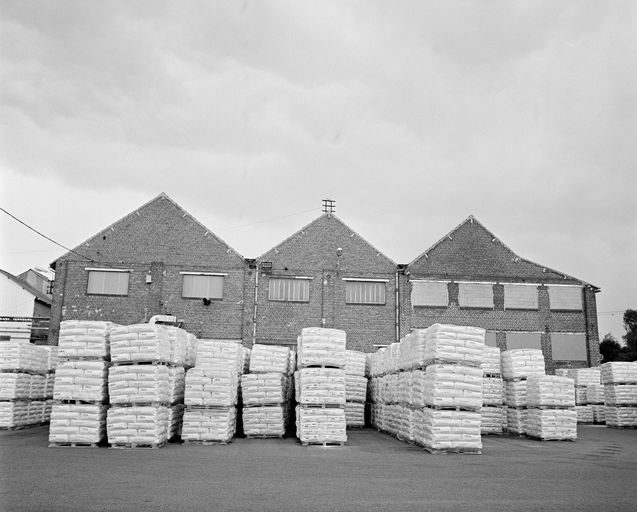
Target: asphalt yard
[{"x": 372, "y": 472}]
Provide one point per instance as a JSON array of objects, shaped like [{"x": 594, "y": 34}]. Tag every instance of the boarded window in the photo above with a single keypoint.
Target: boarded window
[
  {"x": 475, "y": 295},
  {"x": 520, "y": 296},
  {"x": 568, "y": 347},
  {"x": 107, "y": 282},
  {"x": 202, "y": 287},
  {"x": 490, "y": 339},
  {"x": 565, "y": 297},
  {"x": 516, "y": 340},
  {"x": 289, "y": 290},
  {"x": 364, "y": 292},
  {"x": 429, "y": 293}
]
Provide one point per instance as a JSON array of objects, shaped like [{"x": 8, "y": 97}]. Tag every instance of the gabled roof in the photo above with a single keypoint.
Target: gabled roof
[
  {"x": 321, "y": 234},
  {"x": 38, "y": 295},
  {"x": 83, "y": 251},
  {"x": 471, "y": 250}
]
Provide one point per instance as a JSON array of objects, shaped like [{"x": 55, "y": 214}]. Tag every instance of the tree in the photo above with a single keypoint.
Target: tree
[
  {"x": 630, "y": 338},
  {"x": 610, "y": 349}
]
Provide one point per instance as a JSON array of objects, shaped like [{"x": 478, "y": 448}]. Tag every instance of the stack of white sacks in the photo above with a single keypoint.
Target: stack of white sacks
[
  {"x": 493, "y": 416},
  {"x": 267, "y": 391},
  {"x": 320, "y": 384},
  {"x": 355, "y": 388},
  {"x": 517, "y": 366},
  {"x": 24, "y": 374},
  {"x": 551, "y": 411},
  {"x": 80, "y": 391},
  {"x": 146, "y": 384},
  {"x": 428, "y": 388},
  {"x": 583, "y": 378},
  {"x": 620, "y": 393},
  {"x": 212, "y": 392}
]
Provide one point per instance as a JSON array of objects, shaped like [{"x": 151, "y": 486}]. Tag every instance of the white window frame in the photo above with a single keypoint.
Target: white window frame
[
  {"x": 286, "y": 292},
  {"x": 432, "y": 303},
  {"x": 211, "y": 296},
  {"x": 351, "y": 281},
  {"x": 92, "y": 275}
]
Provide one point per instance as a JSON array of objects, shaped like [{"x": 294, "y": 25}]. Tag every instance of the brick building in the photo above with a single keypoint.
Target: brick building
[
  {"x": 326, "y": 275},
  {"x": 470, "y": 277},
  {"x": 160, "y": 260},
  {"x": 156, "y": 260}
]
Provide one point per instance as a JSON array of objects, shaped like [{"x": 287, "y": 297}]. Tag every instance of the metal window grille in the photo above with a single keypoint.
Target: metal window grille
[
  {"x": 107, "y": 283},
  {"x": 364, "y": 292},
  {"x": 289, "y": 290},
  {"x": 202, "y": 287}
]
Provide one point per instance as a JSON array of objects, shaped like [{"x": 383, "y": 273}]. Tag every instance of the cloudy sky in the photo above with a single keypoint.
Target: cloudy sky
[{"x": 411, "y": 115}]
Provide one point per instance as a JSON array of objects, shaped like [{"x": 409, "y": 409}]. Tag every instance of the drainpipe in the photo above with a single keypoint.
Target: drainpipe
[
  {"x": 254, "y": 309},
  {"x": 397, "y": 306}
]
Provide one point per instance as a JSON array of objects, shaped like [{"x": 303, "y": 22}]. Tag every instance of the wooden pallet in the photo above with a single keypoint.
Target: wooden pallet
[
  {"x": 453, "y": 408},
  {"x": 81, "y": 402},
  {"x": 323, "y": 443},
  {"x": 626, "y": 427},
  {"x": 265, "y": 436},
  {"x": 500, "y": 433},
  {"x": 205, "y": 443},
  {"x": 453, "y": 451},
  {"x": 75, "y": 445},
  {"x": 139, "y": 404},
  {"x": 550, "y": 407},
  {"x": 437, "y": 360},
  {"x": 128, "y": 446},
  {"x": 143, "y": 363},
  {"x": 539, "y": 438}
]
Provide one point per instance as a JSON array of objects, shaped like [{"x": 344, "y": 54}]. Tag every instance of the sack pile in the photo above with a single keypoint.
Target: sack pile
[
  {"x": 492, "y": 412},
  {"x": 595, "y": 400},
  {"x": 355, "y": 388},
  {"x": 620, "y": 393},
  {"x": 551, "y": 411},
  {"x": 517, "y": 366},
  {"x": 212, "y": 391},
  {"x": 584, "y": 377},
  {"x": 320, "y": 386},
  {"x": 428, "y": 388},
  {"x": 267, "y": 391},
  {"x": 78, "y": 415}
]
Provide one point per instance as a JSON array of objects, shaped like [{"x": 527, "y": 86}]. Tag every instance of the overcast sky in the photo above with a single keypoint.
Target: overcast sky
[{"x": 411, "y": 115}]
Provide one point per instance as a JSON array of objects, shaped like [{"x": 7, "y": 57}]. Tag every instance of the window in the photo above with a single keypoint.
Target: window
[
  {"x": 490, "y": 339},
  {"x": 364, "y": 292},
  {"x": 202, "y": 286},
  {"x": 475, "y": 295},
  {"x": 565, "y": 297},
  {"x": 520, "y": 296},
  {"x": 516, "y": 340},
  {"x": 568, "y": 346},
  {"x": 429, "y": 293},
  {"x": 107, "y": 282},
  {"x": 295, "y": 289}
]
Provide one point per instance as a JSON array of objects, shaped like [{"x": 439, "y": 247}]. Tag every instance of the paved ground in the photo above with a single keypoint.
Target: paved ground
[{"x": 373, "y": 472}]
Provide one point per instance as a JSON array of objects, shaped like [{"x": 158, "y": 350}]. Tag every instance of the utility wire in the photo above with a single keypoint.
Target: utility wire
[
  {"x": 44, "y": 236},
  {"x": 267, "y": 220}
]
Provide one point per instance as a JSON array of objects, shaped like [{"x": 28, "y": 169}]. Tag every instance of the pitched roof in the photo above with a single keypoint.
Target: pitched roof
[
  {"x": 38, "y": 295},
  {"x": 81, "y": 251},
  {"x": 471, "y": 250},
  {"x": 325, "y": 229}
]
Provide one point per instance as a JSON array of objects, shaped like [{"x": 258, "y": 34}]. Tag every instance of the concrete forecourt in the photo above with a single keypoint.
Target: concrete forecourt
[{"x": 373, "y": 471}]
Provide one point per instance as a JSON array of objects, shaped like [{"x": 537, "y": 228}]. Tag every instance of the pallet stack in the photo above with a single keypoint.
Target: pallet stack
[
  {"x": 355, "y": 388},
  {"x": 584, "y": 377},
  {"x": 428, "y": 388},
  {"x": 78, "y": 415},
  {"x": 139, "y": 385},
  {"x": 517, "y": 366},
  {"x": 212, "y": 392},
  {"x": 493, "y": 416},
  {"x": 24, "y": 370},
  {"x": 320, "y": 386},
  {"x": 620, "y": 393},
  {"x": 267, "y": 391},
  {"x": 551, "y": 414}
]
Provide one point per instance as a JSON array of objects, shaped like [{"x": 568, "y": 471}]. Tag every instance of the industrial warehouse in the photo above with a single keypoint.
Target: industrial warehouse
[{"x": 159, "y": 260}]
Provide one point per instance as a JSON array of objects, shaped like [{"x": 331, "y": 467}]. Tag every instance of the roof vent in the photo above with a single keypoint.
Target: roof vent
[
  {"x": 266, "y": 267},
  {"x": 329, "y": 206}
]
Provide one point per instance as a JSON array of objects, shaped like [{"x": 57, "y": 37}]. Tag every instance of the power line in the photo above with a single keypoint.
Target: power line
[
  {"x": 44, "y": 236},
  {"x": 266, "y": 220}
]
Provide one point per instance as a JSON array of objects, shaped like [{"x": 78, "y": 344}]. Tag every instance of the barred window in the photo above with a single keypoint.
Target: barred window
[
  {"x": 202, "y": 286},
  {"x": 520, "y": 296},
  {"x": 565, "y": 297},
  {"x": 289, "y": 289},
  {"x": 475, "y": 295},
  {"x": 429, "y": 293},
  {"x": 364, "y": 292}
]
